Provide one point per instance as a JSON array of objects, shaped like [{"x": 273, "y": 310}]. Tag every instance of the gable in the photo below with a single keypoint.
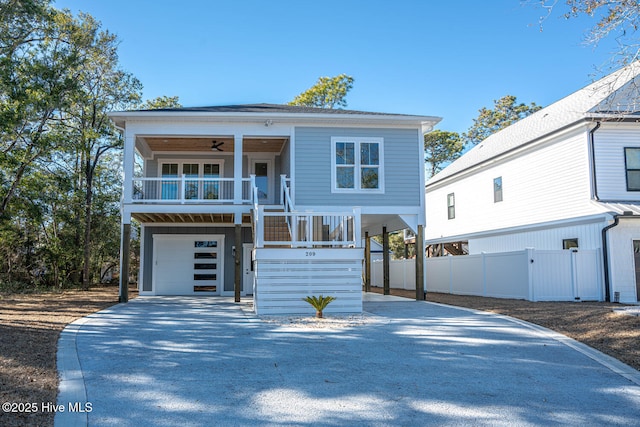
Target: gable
[{"x": 613, "y": 93}]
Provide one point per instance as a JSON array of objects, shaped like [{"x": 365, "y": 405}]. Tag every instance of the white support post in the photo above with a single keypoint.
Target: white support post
[
  {"x": 357, "y": 232},
  {"x": 183, "y": 187},
  {"x": 259, "y": 227},
  {"x": 128, "y": 166},
  {"x": 237, "y": 169}
]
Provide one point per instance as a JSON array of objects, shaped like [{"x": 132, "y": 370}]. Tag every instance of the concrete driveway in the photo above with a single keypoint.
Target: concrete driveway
[{"x": 207, "y": 361}]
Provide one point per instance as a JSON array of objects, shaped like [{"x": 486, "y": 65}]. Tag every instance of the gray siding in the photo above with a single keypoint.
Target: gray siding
[
  {"x": 229, "y": 233},
  {"x": 401, "y": 167}
]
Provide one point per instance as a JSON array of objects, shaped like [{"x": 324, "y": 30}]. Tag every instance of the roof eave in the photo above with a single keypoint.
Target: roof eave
[{"x": 426, "y": 122}]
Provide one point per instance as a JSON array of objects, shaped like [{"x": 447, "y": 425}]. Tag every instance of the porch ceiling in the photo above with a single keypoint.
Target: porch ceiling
[
  {"x": 189, "y": 218},
  {"x": 200, "y": 144}
]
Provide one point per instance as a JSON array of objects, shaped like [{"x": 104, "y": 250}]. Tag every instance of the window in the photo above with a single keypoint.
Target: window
[
  {"x": 357, "y": 164},
  {"x": 497, "y": 189},
  {"x": 632, "y": 165},
  {"x": 451, "y": 206},
  {"x": 569, "y": 243},
  {"x": 201, "y": 180}
]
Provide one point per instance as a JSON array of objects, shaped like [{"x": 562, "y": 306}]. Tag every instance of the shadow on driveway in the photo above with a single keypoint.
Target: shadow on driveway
[{"x": 207, "y": 361}]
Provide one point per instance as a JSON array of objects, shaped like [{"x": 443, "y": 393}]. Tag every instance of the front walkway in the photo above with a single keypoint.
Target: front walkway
[{"x": 160, "y": 361}]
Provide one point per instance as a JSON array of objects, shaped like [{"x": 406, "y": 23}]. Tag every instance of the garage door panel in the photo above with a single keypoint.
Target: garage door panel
[{"x": 188, "y": 264}]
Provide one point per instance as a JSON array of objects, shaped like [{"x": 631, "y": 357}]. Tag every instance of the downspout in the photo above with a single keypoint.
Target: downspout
[
  {"x": 605, "y": 257},
  {"x": 616, "y": 220},
  {"x": 592, "y": 147}
]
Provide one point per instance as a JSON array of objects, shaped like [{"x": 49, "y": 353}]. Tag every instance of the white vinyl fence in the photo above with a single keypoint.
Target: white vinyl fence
[{"x": 535, "y": 275}]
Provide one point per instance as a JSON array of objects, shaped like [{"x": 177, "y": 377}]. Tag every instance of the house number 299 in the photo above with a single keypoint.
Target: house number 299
[{"x": 310, "y": 253}]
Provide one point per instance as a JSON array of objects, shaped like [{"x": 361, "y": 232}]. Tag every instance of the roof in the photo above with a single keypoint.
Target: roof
[
  {"x": 620, "y": 208},
  {"x": 282, "y": 113},
  {"x": 270, "y": 109},
  {"x": 615, "y": 94}
]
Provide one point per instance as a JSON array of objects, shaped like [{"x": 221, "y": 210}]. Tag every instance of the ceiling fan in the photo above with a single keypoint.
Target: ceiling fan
[{"x": 215, "y": 146}]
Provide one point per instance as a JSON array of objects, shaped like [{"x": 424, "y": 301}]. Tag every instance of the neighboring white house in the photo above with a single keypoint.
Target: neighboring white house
[
  {"x": 568, "y": 176},
  {"x": 268, "y": 200}
]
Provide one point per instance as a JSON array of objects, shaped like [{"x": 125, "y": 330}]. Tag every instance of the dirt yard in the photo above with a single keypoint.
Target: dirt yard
[
  {"x": 29, "y": 330},
  {"x": 30, "y": 326}
]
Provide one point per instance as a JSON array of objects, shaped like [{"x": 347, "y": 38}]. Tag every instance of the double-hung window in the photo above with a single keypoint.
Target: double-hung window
[
  {"x": 357, "y": 164},
  {"x": 497, "y": 189},
  {"x": 451, "y": 206},
  {"x": 632, "y": 166}
]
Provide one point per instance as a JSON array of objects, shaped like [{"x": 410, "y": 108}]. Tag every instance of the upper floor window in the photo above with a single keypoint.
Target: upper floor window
[
  {"x": 632, "y": 165},
  {"x": 357, "y": 164},
  {"x": 497, "y": 189},
  {"x": 451, "y": 206}
]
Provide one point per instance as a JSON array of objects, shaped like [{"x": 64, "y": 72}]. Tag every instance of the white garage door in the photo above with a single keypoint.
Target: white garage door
[{"x": 188, "y": 264}]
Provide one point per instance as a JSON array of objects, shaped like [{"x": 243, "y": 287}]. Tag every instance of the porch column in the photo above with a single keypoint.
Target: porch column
[
  {"x": 237, "y": 281},
  {"x": 385, "y": 261},
  {"x": 125, "y": 239},
  {"x": 420, "y": 289},
  {"x": 128, "y": 161},
  {"x": 237, "y": 169},
  {"x": 367, "y": 262}
]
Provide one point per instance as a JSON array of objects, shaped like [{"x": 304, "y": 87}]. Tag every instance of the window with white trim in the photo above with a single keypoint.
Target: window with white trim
[
  {"x": 357, "y": 164},
  {"x": 451, "y": 206}
]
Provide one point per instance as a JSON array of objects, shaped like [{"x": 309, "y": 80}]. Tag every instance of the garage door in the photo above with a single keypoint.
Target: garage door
[{"x": 188, "y": 264}]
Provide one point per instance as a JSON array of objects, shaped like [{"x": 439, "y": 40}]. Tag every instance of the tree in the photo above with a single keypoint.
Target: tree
[
  {"x": 440, "y": 148},
  {"x": 103, "y": 87},
  {"x": 160, "y": 102},
  {"x": 617, "y": 18},
  {"x": 59, "y": 177},
  {"x": 506, "y": 112},
  {"x": 39, "y": 70},
  {"x": 328, "y": 92}
]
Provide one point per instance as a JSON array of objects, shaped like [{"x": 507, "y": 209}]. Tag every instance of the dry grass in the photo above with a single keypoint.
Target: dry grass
[{"x": 29, "y": 330}]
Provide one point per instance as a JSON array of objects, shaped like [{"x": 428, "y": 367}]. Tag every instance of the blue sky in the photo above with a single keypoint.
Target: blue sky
[{"x": 427, "y": 57}]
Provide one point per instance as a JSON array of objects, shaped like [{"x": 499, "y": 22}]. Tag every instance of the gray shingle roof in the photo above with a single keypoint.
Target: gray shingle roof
[
  {"x": 618, "y": 92},
  {"x": 272, "y": 108}
]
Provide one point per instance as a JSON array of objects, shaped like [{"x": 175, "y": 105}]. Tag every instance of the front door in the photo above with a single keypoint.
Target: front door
[
  {"x": 263, "y": 170},
  {"x": 247, "y": 269}
]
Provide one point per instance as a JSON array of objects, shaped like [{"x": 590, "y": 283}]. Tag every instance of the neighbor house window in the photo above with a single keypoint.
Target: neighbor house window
[
  {"x": 357, "y": 164},
  {"x": 569, "y": 243},
  {"x": 451, "y": 206},
  {"x": 632, "y": 165},
  {"x": 497, "y": 189}
]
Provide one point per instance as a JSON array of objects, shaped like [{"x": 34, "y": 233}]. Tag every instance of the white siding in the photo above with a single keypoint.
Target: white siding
[
  {"x": 609, "y": 143},
  {"x": 545, "y": 183},
  {"x": 622, "y": 264},
  {"x": 283, "y": 277},
  {"x": 589, "y": 237}
]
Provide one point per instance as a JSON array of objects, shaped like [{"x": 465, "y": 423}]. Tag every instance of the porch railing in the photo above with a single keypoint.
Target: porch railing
[
  {"x": 290, "y": 228},
  {"x": 186, "y": 189}
]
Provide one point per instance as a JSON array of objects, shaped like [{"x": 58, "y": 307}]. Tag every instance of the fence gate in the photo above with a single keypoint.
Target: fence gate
[{"x": 572, "y": 275}]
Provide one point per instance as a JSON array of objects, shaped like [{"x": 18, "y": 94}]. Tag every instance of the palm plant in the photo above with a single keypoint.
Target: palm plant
[{"x": 319, "y": 303}]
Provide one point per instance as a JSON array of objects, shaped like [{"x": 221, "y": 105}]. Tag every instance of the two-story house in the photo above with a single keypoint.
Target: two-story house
[
  {"x": 566, "y": 177},
  {"x": 267, "y": 200}
]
